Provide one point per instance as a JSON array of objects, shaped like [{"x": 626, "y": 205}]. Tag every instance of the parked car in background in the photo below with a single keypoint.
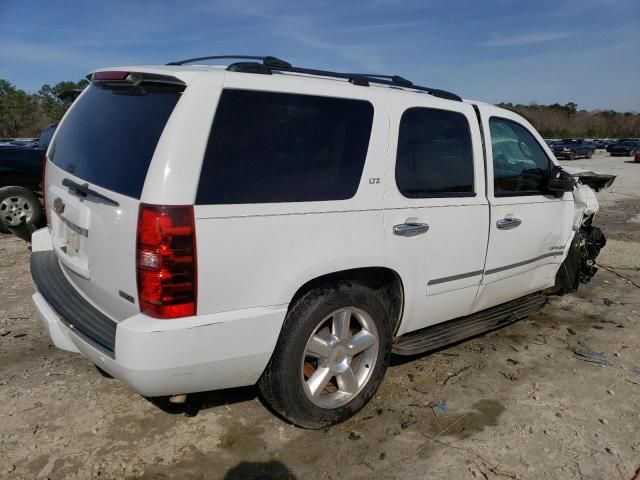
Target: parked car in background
[
  {"x": 338, "y": 217},
  {"x": 627, "y": 148},
  {"x": 20, "y": 182},
  {"x": 572, "y": 148},
  {"x": 614, "y": 143},
  {"x": 22, "y": 142},
  {"x": 601, "y": 143}
]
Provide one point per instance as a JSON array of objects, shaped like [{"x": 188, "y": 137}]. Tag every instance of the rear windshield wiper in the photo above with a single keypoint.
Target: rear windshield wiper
[{"x": 84, "y": 191}]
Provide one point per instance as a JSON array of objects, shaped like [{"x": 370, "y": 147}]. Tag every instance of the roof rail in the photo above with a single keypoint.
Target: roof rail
[
  {"x": 397, "y": 79},
  {"x": 270, "y": 64},
  {"x": 267, "y": 61}
]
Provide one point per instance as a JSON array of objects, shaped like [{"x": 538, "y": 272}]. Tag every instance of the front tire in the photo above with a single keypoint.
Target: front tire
[
  {"x": 332, "y": 354},
  {"x": 572, "y": 156}
]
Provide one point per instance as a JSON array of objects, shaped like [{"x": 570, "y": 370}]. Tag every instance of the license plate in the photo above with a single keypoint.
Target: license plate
[{"x": 73, "y": 242}]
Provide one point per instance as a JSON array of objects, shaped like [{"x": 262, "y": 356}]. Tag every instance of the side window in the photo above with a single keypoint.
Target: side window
[
  {"x": 520, "y": 166},
  {"x": 268, "y": 147},
  {"x": 434, "y": 157}
]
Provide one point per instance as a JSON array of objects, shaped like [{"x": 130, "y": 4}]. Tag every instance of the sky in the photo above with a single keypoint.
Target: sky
[{"x": 519, "y": 51}]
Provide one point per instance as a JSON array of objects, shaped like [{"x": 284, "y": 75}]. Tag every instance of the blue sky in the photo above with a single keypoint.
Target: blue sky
[{"x": 522, "y": 51}]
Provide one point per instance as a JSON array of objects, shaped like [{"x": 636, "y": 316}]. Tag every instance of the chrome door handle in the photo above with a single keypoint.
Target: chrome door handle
[
  {"x": 410, "y": 229},
  {"x": 508, "y": 222}
]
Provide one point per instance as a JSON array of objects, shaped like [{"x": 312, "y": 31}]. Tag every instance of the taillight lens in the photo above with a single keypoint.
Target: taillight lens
[
  {"x": 110, "y": 76},
  {"x": 43, "y": 188},
  {"x": 166, "y": 261}
]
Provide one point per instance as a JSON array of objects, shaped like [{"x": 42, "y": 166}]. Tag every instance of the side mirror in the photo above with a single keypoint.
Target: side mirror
[{"x": 560, "y": 181}]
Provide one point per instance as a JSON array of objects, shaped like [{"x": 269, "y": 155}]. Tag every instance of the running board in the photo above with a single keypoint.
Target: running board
[{"x": 452, "y": 331}]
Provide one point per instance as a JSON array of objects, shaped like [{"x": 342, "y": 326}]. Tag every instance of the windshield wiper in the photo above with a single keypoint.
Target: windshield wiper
[{"x": 84, "y": 191}]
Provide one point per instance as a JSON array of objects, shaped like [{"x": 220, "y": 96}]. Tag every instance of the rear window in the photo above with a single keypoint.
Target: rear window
[
  {"x": 109, "y": 136},
  {"x": 270, "y": 147}
]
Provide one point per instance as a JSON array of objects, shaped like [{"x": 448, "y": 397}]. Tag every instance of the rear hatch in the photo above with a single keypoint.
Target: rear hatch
[{"x": 97, "y": 167}]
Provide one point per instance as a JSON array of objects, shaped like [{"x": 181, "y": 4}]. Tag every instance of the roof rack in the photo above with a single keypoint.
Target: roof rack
[
  {"x": 267, "y": 61},
  {"x": 270, "y": 64}
]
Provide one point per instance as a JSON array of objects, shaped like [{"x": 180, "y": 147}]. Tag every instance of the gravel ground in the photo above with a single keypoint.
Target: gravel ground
[{"x": 517, "y": 403}]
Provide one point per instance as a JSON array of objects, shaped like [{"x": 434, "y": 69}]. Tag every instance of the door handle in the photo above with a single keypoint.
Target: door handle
[
  {"x": 508, "y": 222},
  {"x": 410, "y": 229}
]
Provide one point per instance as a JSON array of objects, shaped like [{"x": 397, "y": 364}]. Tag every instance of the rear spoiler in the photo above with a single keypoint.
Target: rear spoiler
[
  {"x": 69, "y": 96},
  {"x": 122, "y": 79}
]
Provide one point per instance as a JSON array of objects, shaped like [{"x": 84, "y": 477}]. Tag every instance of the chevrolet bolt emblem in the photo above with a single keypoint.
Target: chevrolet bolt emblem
[{"x": 58, "y": 205}]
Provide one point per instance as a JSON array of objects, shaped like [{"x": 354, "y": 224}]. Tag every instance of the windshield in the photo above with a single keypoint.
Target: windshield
[{"x": 109, "y": 136}]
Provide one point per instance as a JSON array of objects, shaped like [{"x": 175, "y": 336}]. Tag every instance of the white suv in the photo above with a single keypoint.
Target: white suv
[{"x": 213, "y": 227}]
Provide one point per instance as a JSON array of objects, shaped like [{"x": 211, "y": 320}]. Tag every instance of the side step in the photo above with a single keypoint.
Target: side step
[{"x": 441, "y": 334}]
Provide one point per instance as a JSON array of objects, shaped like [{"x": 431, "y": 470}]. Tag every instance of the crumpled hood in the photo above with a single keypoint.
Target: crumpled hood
[{"x": 595, "y": 180}]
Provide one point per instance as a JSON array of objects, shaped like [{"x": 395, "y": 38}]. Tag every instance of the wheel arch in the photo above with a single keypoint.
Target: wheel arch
[{"x": 384, "y": 280}]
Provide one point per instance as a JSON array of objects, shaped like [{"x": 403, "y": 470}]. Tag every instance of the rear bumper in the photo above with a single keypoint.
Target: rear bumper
[{"x": 167, "y": 357}]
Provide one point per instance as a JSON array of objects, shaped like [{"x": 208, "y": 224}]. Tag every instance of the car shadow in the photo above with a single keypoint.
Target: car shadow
[
  {"x": 196, "y": 402},
  {"x": 260, "y": 470}
]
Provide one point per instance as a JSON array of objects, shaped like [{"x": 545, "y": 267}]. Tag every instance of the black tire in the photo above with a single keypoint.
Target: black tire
[
  {"x": 572, "y": 155},
  {"x": 281, "y": 383},
  {"x": 590, "y": 154},
  {"x": 32, "y": 201}
]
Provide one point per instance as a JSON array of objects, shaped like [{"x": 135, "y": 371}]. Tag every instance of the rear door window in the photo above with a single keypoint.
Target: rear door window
[
  {"x": 268, "y": 147},
  {"x": 434, "y": 157},
  {"x": 109, "y": 136}
]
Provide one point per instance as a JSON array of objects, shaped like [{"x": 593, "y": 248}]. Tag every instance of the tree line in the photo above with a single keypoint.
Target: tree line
[
  {"x": 24, "y": 115},
  {"x": 564, "y": 121}
]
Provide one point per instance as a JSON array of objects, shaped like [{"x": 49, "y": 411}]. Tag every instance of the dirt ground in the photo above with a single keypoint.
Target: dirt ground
[{"x": 517, "y": 403}]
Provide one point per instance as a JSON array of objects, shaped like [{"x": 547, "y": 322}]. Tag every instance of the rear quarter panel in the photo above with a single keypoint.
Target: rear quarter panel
[
  {"x": 20, "y": 167},
  {"x": 260, "y": 254}
]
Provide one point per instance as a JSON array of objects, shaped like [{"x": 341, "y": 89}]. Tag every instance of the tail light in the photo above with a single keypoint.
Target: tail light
[
  {"x": 44, "y": 193},
  {"x": 166, "y": 261},
  {"x": 113, "y": 76}
]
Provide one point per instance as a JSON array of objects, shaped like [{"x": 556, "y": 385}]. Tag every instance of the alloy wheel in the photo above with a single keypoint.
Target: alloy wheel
[
  {"x": 14, "y": 210},
  {"x": 339, "y": 357}
]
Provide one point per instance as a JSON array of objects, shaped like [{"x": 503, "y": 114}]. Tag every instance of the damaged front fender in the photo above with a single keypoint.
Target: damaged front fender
[{"x": 579, "y": 265}]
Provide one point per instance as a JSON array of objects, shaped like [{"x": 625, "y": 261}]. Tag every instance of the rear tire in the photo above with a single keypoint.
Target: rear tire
[
  {"x": 590, "y": 154},
  {"x": 314, "y": 379},
  {"x": 19, "y": 206},
  {"x": 572, "y": 156}
]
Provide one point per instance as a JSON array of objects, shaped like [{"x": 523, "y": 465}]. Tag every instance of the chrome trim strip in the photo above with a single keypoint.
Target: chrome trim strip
[
  {"x": 460, "y": 276},
  {"x": 519, "y": 264}
]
